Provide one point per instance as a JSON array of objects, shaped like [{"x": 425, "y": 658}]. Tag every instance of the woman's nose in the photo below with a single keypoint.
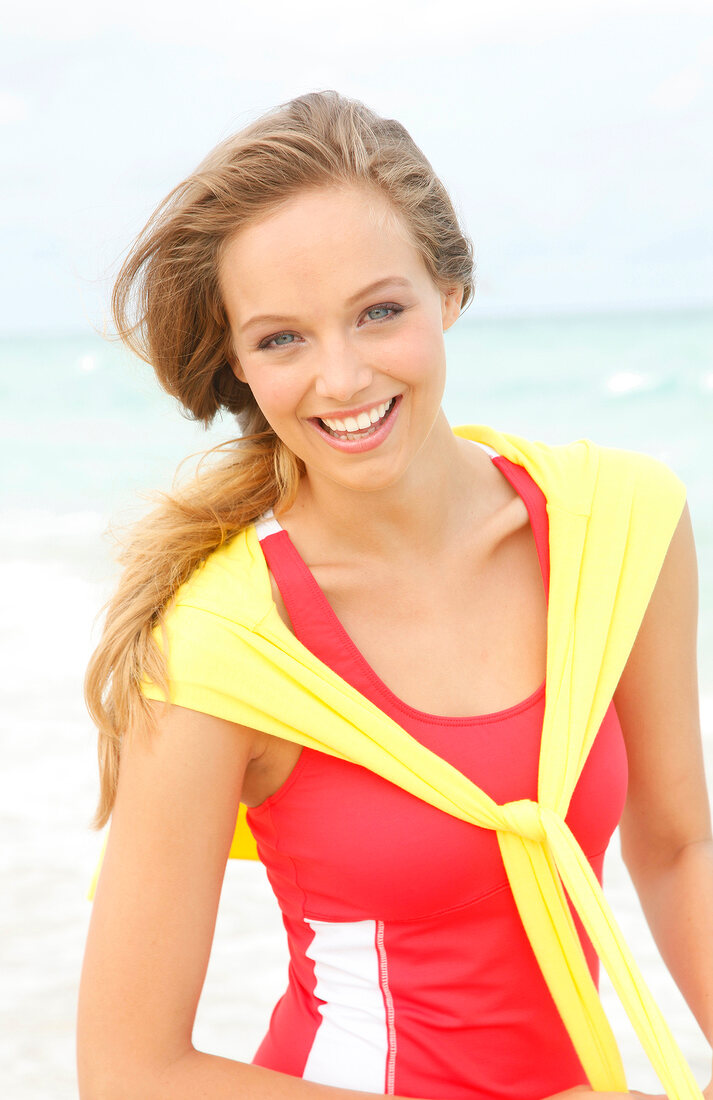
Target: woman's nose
[{"x": 341, "y": 374}]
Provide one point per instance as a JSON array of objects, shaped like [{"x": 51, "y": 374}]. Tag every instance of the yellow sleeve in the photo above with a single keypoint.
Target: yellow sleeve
[{"x": 203, "y": 666}]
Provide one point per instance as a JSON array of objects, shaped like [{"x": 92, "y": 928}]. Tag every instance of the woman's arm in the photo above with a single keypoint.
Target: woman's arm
[
  {"x": 153, "y": 920},
  {"x": 666, "y": 826}
]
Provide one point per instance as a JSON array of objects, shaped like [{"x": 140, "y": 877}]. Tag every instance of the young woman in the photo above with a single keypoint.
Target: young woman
[{"x": 350, "y": 570}]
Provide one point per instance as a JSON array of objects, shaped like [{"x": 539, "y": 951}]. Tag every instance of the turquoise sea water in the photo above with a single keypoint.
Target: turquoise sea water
[
  {"x": 83, "y": 430},
  {"x": 84, "y": 426}
]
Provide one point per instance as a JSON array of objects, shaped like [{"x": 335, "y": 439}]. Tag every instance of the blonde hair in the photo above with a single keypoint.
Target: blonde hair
[{"x": 168, "y": 309}]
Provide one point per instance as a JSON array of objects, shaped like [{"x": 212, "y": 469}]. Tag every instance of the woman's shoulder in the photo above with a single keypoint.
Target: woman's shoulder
[
  {"x": 581, "y": 474},
  {"x": 204, "y": 630},
  {"x": 232, "y": 582}
]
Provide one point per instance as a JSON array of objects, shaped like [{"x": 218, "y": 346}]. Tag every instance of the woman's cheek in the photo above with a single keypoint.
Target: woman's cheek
[{"x": 276, "y": 391}]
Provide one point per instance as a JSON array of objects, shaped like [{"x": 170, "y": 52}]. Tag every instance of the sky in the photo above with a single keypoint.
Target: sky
[{"x": 575, "y": 138}]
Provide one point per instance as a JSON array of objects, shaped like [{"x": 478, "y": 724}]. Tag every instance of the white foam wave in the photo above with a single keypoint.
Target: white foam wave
[
  {"x": 629, "y": 381},
  {"x": 22, "y": 525},
  {"x": 48, "y": 624}
]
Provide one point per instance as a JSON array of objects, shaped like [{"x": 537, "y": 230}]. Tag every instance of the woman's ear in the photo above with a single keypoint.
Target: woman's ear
[{"x": 451, "y": 298}]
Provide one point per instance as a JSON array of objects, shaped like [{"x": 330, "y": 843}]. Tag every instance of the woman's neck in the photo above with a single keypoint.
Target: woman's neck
[{"x": 443, "y": 486}]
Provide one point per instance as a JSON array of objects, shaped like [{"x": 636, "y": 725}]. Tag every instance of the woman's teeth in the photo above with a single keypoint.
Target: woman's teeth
[{"x": 357, "y": 427}]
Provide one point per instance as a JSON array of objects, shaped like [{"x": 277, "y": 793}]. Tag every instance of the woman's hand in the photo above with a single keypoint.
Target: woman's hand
[{"x": 584, "y": 1092}]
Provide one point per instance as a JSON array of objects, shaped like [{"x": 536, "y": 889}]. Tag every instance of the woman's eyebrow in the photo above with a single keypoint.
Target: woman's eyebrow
[
  {"x": 390, "y": 280},
  {"x": 278, "y": 318}
]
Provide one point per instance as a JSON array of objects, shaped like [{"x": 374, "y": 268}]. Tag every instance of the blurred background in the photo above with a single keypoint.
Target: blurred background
[{"x": 575, "y": 142}]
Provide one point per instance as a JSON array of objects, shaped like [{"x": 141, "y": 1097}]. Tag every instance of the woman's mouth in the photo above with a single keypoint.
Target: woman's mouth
[
  {"x": 363, "y": 432},
  {"x": 358, "y": 427}
]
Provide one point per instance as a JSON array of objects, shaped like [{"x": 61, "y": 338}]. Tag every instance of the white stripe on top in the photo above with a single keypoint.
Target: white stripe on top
[
  {"x": 490, "y": 450},
  {"x": 266, "y": 525},
  {"x": 355, "y": 1044}
]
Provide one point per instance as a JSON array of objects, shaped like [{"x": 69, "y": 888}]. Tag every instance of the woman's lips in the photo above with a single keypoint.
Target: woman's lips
[
  {"x": 357, "y": 427},
  {"x": 363, "y": 439}
]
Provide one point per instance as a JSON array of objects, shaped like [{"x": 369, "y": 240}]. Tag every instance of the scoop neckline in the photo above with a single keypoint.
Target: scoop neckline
[{"x": 274, "y": 527}]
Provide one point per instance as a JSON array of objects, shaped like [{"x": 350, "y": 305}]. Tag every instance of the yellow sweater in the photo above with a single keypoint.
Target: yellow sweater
[{"x": 611, "y": 517}]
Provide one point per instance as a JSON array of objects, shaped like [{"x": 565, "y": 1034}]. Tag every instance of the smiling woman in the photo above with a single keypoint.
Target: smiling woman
[
  {"x": 338, "y": 364},
  {"x": 436, "y": 666}
]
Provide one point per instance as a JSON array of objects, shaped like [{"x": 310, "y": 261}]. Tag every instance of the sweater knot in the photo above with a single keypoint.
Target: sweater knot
[{"x": 524, "y": 818}]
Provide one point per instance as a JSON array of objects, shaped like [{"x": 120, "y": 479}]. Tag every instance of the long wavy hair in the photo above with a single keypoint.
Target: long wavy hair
[{"x": 167, "y": 308}]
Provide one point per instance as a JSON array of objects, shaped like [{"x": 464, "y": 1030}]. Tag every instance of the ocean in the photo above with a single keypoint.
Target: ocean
[{"x": 86, "y": 434}]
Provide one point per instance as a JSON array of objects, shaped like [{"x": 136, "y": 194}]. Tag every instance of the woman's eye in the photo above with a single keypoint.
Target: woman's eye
[
  {"x": 281, "y": 340},
  {"x": 383, "y": 310}
]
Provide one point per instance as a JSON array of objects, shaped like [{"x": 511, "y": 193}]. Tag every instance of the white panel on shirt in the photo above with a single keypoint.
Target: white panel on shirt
[
  {"x": 355, "y": 1045},
  {"x": 267, "y": 525},
  {"x": 484, "y": 446}
]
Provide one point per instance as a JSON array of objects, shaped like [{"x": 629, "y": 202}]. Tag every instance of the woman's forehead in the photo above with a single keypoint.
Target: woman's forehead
[
  {"x": 321, "y": 218},
  {"x": 331, "y": 242}
]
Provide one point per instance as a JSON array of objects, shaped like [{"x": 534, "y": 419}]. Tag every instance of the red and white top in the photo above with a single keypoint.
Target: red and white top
[{"x": 410, "y": 972}]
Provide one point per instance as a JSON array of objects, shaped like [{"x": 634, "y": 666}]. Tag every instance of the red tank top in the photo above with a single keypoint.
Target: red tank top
[{"x": 410, "y": 972}]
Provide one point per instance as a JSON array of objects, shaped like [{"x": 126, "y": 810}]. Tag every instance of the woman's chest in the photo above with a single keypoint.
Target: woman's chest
[
  {"x": 465, "y": 638},
  {"x": 341, "y": 843}
]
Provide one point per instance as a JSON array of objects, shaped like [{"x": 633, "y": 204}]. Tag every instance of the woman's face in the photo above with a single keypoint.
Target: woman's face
[{"x": 337, "y": 328}]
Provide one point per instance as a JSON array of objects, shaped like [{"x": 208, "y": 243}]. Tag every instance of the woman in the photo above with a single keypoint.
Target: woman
[{"x": 351, "y": 549}]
